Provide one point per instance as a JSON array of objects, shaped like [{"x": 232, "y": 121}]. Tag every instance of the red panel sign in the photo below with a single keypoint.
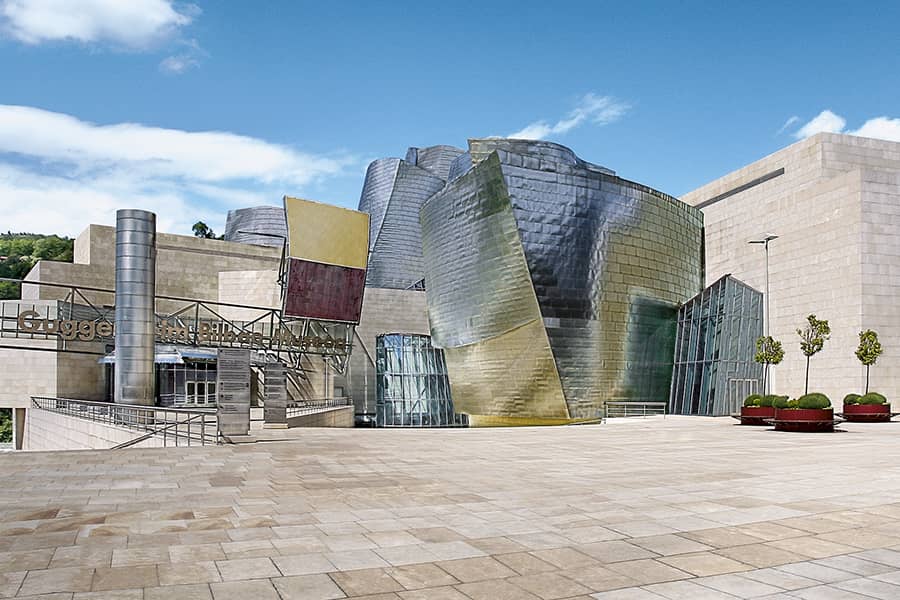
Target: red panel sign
[{"x": 327, "y": 292}]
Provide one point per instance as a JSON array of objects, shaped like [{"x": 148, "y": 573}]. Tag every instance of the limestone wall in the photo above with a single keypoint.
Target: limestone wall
[
  {"x": 46, "y": 430},
  {"x": 836, "y": 210},
  {"x": 384, "y": 311}
]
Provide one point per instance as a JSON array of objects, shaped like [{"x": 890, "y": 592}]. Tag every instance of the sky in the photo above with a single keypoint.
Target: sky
[{"x": 192, "y": 109}]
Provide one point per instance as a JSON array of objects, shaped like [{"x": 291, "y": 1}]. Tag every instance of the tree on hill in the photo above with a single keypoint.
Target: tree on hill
[{"x": 20, "y": 251}]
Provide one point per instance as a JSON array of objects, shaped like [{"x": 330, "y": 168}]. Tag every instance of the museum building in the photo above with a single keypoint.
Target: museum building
[{"x": 508, "y": 283}]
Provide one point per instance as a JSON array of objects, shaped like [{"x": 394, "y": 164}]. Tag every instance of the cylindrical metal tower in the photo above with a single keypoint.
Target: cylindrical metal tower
[{"x": 135, "y": 316}]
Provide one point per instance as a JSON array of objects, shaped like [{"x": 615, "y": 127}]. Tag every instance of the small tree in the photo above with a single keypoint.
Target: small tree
[
  {"x": 812, "y": 339},
  {"x": 768, "y": 352},
  {"x": 868, "y": 351},
  {"x": 202, "y": 230}
]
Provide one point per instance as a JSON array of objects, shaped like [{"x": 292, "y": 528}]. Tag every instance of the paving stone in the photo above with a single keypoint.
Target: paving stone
[
  {"x": 565, "y": 558},
  {"x": 870, "y": 587},
  {"x": 704, "y": 564},
  {"x": 476, "y": 569},
  {"x": 82, "y": 556},
  {"x": 48, "y": 581},
  {"x": 854, "y": 565},
  {"x": 738, "y": 586},
  {"x": 817, "y": 572},
  {"x": 686, "y": 590},
  {"x": 494, "y": 589},
  {"x": 261, "y": 589},
  {"x": 195, "y": 553},
  {"x": 669, "y": 544},
  {"x": 120, "y": 578},
  {"x": 599, "y": 579},
  {"x": 615, "y": 551},
  {"x": 413, "y": 577},
  {"x": 246, "y": 568},
  {"x": 303, "y": 564},
  {"x": 150, "y": 555},
  {"x": 779, "y": 579},
  {"x": 181, "y": 592},
  {"x": 366, "y": 581},
  {"x": 524, "y": 563},
  {"x": 132, "y": 594},
  {"x": 26, "y": 560},
  {"x": 827, "y": 592},
  {"x": 307, "y": 587},
  {"x": 648, "y": 571},
  {"x": 187, "y": 573},
  {"x": 437, "y": 593},
  {"x": 549, "y": 586},
  {"x": 355, "y": 559},
  {"x": 11, "y": 581}
]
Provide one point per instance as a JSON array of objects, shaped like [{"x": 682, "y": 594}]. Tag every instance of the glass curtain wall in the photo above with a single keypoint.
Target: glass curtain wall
[
  {"x": 413, "y": 389},
  {"x": 715, "y": 343}
]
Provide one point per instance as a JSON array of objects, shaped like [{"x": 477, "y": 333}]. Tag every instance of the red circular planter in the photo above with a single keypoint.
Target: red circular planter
[
  {"x": 867, "y": 413},
  {"x": 804, "y": 419},
  {"x": 757, "y": 415}
]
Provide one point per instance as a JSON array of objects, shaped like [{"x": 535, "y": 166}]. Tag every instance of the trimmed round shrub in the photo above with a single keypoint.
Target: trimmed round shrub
[
  {"x": 753, "y": 400},
  {"x": 814, "y": 400},
  {"x": 781, "y": 402},
  {"x": 852, "y": 399},
  {"x": 872, "y": 398},
  {"x": 770, "y": 399}
]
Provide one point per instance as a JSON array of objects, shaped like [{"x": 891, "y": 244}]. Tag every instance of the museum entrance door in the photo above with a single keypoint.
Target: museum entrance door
[{"x": 200, "y": 393}]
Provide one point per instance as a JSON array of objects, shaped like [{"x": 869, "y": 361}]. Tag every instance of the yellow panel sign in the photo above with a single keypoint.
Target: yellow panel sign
[{"x": 327, "y": 234}]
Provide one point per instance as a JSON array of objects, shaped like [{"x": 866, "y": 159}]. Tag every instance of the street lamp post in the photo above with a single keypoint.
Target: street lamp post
[{"x": 765, "y": 239}]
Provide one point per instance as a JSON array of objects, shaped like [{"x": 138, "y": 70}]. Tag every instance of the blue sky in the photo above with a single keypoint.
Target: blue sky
[{"x": 192, "y": 109}]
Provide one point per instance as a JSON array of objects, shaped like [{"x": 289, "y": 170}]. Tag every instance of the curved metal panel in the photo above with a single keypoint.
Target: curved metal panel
[
  {"x": 376, "y": 193},
  {"x": 135, "y": 318},
  {"x": 243, "y": 224},
  {"x": 607, "y": 260},
  {"x": 396, "y": 257},
  {"x": 437, "y": 160}
]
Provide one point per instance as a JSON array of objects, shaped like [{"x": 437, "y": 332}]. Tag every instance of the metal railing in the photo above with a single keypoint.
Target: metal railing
[
  {"x": 296, "y": 409},
  {"x": 634, "y": 409},
  {"x": 173, "y": 426}
]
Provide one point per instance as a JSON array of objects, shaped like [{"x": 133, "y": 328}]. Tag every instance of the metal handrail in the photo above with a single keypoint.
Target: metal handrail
[
  {"x": 149, "y": 435},
  {"x": 190, "y": 425},
  {"x": 635, "y": 409},
  {"x": 295, "y": 409}
]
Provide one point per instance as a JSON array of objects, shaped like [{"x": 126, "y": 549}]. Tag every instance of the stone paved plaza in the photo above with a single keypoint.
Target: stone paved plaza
[{"x": 636, "y": 509}]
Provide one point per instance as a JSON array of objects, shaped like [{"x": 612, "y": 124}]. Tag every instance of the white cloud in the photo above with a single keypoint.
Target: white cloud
[
  {"x": 791, "y": 121},
  {"x": 185, "y": 60},
  {"x": 59, "y": 173},
  {"x": 153, "y": 151},
  {"x": 882, "y": 128},
  {"x": 130, "y": 23},
  {"x": 599, "y": 110},
  {"x": 826, "y": 121}
]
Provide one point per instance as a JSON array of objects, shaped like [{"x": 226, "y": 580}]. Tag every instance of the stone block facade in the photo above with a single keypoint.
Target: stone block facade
[{"x": 834, "y": 202}]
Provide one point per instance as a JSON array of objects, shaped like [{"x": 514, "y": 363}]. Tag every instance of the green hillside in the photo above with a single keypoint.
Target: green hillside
[{"x": 20, "y": 251}]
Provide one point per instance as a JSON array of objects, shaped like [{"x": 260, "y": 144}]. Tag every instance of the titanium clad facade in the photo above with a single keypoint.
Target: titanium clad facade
[
  {"x": 717, "y": 333},
  {"x": 243, "y": 225},
  {"x": 553, "y": 285},
  {"x": 413, "y": 389},
  {"x": 393, "y": 193},
  {"x": 435, "y": 159}
]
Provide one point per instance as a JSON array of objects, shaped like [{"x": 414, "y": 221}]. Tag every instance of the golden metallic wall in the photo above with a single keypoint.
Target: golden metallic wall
[{"x": 327, "y": 234}]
